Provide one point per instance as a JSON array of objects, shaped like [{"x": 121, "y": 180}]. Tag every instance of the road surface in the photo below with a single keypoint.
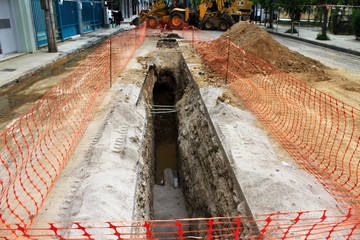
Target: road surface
[{"x": 328, "y": 57}]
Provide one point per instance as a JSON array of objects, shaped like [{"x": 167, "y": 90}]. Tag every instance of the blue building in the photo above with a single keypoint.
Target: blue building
[{"x": 23, "y": 28}]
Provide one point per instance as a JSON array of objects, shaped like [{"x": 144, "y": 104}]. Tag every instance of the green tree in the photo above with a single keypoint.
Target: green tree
[
  {"x": 325, "y": 12},
  {"x": 294, "y": 8},
  {"x": 269, "y": 6},
  {"x": 356, "y": 22},
  {"x": 325, "y": 19}
]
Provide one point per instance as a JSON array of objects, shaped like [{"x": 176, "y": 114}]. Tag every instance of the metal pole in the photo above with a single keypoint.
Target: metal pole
[
  {"x": 61, "y": 22},
  {"x": 80, "y": 19},
  {"x": 298, "y": 30},
  {"x": 228, "y": 59},
  {"x": 110, "y": 63},
  {"x": 193, "y": 36}
]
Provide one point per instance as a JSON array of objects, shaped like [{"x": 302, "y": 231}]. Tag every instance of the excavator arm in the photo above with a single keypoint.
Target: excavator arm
[
  {"x": 203, "y": 7},
  {"x": 158, "y": 10},
  {"x": 212, "y": 6}
]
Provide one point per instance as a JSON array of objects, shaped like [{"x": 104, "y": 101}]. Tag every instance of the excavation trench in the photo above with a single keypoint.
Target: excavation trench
[{"x": 181, "y": 141}]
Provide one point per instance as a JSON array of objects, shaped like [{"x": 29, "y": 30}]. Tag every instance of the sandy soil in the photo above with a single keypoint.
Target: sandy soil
[
  {"x": 342, "y": 85},
  {"x": 339, "y": 83},
  {"x": 270, "y": 182},
  {"x": 98, "y": 183},
  {"x": 265, "y": 170}
]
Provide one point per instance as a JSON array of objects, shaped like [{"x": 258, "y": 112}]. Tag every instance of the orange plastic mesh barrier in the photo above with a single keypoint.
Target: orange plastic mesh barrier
[
  {"x": 299, "y": 225},
  {"x": 194, "y": 34},
  {"x": 189, "y": 33},
  {"x": 319, "y": 131},
  {"x": 35, "y": 148}
]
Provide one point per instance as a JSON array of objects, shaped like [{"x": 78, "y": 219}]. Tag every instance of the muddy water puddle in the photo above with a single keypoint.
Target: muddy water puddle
[
  {"x": 16, "y": 99},
  {"x": 165, "y": 158},
  {"x": 166, "y": 145}
]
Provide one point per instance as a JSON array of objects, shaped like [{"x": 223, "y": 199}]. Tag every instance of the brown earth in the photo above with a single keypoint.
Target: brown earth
[
  {"x": 258, "y": 42},
  {"x": 204, "y": 76},
  {"x": 251, "y": 69}
]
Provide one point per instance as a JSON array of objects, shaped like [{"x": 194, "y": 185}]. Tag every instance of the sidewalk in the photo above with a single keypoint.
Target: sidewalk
[
  {"x": 19, "y": 66},
  {"x": 344, "y": 43}
]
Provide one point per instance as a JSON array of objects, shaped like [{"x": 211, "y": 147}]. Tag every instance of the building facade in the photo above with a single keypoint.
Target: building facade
[
  {"x": 16, "y": 27},
  {"x": 23, "y": 26}
]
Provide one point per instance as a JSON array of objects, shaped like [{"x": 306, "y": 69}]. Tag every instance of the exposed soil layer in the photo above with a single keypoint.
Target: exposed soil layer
[
  {"x": 205, "y": 174},
  {"x": 258, "y": 42}
]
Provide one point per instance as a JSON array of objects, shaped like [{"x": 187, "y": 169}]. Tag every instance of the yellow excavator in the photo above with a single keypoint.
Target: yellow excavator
[
  {"x": 158, "y": 13},
  {"x": 240, "y": 10},
  {"x": 207, "y": 14},
  {"x": 213, "y": 14}
]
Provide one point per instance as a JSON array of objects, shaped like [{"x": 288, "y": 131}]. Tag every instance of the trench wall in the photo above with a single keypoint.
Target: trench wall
[
  {"x": 144, "y": 193},
  {"x": 206, "y": 175}
]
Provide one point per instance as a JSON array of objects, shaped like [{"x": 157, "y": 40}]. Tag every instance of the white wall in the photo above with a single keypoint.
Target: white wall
[{"x": 7, "y": 35}]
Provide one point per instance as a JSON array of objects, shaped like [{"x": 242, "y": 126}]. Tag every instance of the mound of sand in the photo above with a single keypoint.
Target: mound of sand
[{"x": 258, "y": 42}]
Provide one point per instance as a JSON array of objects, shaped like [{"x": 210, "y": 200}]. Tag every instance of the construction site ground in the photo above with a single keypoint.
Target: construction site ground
[{"x": 99, "y": 181}]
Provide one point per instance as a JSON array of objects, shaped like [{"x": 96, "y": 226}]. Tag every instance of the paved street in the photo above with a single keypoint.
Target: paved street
[{"x": 329, "y": 57}]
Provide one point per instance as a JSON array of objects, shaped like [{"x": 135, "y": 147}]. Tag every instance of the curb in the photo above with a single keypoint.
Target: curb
[{"x": 340, "y": 49}]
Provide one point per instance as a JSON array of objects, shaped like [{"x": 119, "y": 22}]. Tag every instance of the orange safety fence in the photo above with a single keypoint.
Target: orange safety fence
[
  {"x": 321, "y": 132},
  {"x": 189, "y": 33},
  {"x": 35, "y": 148},
  {"x": 324, "y": 224}
]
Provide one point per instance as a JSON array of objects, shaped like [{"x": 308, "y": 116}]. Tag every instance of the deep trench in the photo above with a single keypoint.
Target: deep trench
[
  {"x": 165, "y": 131},
  {"x": 185, "y": 141}
]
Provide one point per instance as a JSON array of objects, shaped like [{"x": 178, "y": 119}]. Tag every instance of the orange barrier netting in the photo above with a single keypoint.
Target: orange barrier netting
[
  {"x": 324, "y": 224},
  {"x": 34, "y": 149},
  {"x": 319, "y": 131},
  {"x": 189, "y": 33}
]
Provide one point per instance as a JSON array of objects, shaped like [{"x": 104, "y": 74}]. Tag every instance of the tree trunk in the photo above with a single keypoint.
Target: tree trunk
[
  {"x": 292, "y": 18},
  {"x": 325, "y": 19},
  {"x": 266, "y": 16},
  {"x": 271, "y": 12}
]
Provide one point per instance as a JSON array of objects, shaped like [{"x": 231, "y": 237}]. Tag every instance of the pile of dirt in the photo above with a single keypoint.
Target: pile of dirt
[
  {"x": 258, "y": 42},
  {"x": 230, "y": 62},
  {"x": 173, "y": 35}
]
